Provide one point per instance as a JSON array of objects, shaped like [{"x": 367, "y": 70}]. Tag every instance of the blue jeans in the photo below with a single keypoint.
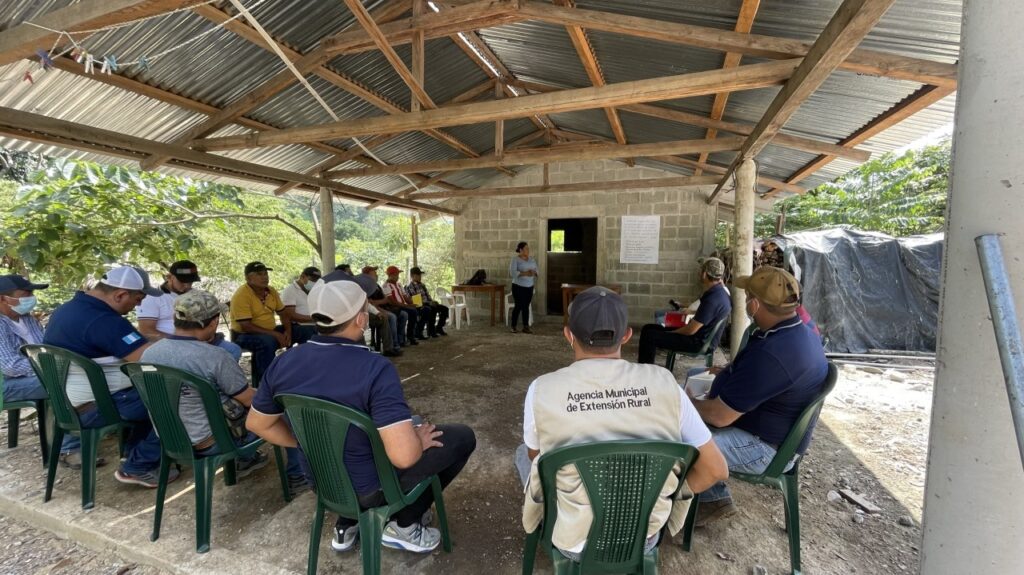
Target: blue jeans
[
  {"x": 293, "y": 468},
  {"x": 230, "y": 347},
  {"x": 25, "y": 388},
  {"x": 142, "y": 447},
  {"x": 399, "y": 332},
  {"x": 263, "y": 348},
  {"x": 743, "y": 452}
]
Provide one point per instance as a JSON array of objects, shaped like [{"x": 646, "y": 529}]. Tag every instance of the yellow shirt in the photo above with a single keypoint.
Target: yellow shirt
[{"x": 246, "y": 305}]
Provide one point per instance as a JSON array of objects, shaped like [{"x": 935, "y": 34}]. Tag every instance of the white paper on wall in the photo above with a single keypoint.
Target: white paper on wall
[{"x": 639, "y": 241}]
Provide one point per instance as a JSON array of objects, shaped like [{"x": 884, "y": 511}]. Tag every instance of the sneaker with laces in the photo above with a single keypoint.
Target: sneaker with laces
[
  {"x": 297, "y": 485},
  {"x": 247, "y": 466},
  {"x": 149, "y": 479},
  {"x": 345, "y": 539},
  {"x": 415, "y": 538}
]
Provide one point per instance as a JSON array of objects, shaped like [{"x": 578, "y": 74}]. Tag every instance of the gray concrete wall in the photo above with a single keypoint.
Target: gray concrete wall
[
  {"x": 487, "y": 230},
  {"x": 974, "y": 496}
]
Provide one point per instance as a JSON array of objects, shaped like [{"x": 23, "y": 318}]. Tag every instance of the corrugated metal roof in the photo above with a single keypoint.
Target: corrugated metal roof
[{"x": 221, "y": 67}]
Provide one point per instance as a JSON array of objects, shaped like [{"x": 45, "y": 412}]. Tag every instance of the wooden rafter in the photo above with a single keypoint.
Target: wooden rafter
[
  {"x": 406, "y": 192},
  {"x": 552, "y": 154},
  {"x": 744, "y": 22},
  {"x": 906, "y": 108},
  {"x": 608, "y": 186},
  {"x": 619, "y": 94},
  {"x": 419, "y": 57},
  {"x": 848, "y": 26}
]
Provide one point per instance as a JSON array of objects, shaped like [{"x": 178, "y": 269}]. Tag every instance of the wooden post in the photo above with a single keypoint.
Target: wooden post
[
  {"x": 499, "y": 126},
  {"x": 326, "y": 230},
  {"x": 415, "y": 241},
  {"x": 742, "y": 253},
  {"x": 418, "y": 62}
]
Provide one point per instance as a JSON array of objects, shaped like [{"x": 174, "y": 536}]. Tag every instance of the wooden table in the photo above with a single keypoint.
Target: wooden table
[
  {"x": 497, "y": 292},
  {"x": 570, "y": 291}
]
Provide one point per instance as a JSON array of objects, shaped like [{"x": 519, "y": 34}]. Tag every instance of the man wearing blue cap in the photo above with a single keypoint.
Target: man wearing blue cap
[{"x": 17, "y": 328}]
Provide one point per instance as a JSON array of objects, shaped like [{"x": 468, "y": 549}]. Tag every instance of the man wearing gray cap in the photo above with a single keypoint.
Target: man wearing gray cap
[{"x": 602, "y": 397}]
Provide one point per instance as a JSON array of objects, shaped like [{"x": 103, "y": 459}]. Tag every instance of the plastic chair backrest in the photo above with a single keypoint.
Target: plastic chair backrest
[
  {"x": 623, "y": 480},
  {"x": 712, "y": 336},
  {"x": 160, "y": 388},
  {"x": 800, "y": 428},
  {"x": 322, "y": 427},
  {"x": 746, "y": 336},
  {"x": 51, "y": 364}
]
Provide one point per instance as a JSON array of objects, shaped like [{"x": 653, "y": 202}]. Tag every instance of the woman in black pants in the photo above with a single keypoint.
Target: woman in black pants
[{"x": 523, "y": 271}]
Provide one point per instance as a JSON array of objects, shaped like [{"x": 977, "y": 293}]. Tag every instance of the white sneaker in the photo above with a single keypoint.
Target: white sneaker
[
  {"x": 345, "y": 539},
  {"x": 415, "y": 538}
]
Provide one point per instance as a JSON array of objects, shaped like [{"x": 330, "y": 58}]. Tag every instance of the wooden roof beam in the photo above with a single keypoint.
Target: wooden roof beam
[
  {"x": 607, "y": 186},
  {"x": 619, "y": 94},
  {"x": 848, "y": 26}
]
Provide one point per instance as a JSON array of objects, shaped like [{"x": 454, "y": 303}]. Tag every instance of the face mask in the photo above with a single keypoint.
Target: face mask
[
  {"x": 25, "y": 305},
  {"x": 750, "y": 314},
  {"x": 309, "y": 286}
]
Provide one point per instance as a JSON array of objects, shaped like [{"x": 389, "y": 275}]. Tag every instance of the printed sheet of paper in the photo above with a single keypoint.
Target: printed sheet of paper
[{"x": 639, "y": 241}]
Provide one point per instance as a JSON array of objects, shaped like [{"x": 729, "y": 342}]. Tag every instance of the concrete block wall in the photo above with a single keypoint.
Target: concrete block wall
[{"x": 488, "y": 229}]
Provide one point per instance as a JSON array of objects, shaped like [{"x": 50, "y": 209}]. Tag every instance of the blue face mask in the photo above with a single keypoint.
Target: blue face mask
[
  {"x": 25, "y": 305},
  {"x": 309, "y": 285}
]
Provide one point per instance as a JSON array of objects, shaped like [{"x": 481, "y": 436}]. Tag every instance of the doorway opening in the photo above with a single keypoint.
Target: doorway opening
[{"x": 572, "y": 257}]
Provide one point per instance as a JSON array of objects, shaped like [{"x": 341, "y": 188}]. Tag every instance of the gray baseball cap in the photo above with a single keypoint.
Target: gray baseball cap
[
  {"x": 598, "y": 317},
  {"x": 197, "y": 305}
]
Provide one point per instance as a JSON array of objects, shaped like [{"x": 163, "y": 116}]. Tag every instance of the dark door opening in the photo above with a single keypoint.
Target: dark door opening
[{"x": 572, "y": 257}]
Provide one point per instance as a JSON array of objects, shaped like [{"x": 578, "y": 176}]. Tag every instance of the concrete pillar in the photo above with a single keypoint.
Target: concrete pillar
[
  {"x": 326, "y": 230},
  {"x": 743, "y": 247},
  {"x": 974, "y": 495}
]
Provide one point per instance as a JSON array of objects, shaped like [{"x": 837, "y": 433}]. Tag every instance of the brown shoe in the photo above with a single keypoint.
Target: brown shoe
[
  {"x": 713, "y": 511},
  {"x": 73, "y": 460},
  {"x": 527, "y": 330}
]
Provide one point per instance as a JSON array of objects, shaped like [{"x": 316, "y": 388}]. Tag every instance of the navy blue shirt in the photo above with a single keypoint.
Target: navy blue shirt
[
  {"x": 88, "y": 326},
  {"x": 773, "y": 379},
  {"x": 345, "y": 372},
  {"x": 715, "y": 305}
]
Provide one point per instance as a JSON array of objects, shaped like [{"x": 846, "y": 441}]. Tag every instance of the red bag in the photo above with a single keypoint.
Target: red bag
[{"x": 675, "y": 319}]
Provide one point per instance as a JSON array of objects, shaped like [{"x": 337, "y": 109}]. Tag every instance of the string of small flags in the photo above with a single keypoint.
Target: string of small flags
[{"x": 108, "y": 63}]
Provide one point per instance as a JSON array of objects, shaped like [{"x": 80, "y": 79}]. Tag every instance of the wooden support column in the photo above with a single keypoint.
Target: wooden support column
[
  {"x": 415, "y": 241},
  {"x": 418, "y": 61},
  {"x": 499, "y": 126},
  {"x": 327, "y": 255},
  {"x": 743, "y": 248}
]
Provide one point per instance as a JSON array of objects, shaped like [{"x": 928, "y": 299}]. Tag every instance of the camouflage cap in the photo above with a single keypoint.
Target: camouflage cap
[
  {"x": 712, "y": 266},
  {"x": 197, "y": 305}
]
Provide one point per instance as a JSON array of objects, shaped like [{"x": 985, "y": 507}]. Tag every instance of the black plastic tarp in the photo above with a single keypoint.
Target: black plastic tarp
[{"x": 868, "y": 290}]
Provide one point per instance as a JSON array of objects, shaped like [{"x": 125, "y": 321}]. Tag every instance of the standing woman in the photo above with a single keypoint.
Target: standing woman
[{"x": 523, "y": 271}]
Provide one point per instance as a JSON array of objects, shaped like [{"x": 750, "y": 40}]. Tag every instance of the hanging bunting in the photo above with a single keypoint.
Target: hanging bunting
[
  {"x": 28, "y": 78},
  {"x": 143, "y": 64},
  {"x": 109, "y": 65},
  {"x": 44, "y": 59},
  {"x": 89, "y": 62}
]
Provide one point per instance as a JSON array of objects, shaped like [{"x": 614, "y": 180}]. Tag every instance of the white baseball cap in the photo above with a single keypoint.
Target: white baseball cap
[
  {"x": 340, "y": 301},
  {"x": 130, "y": 278}
]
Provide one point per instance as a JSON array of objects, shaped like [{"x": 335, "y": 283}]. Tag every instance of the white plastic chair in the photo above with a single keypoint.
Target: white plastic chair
[
  {"x": 509, "y": 305},
  {"x": 456, "y": 304}
]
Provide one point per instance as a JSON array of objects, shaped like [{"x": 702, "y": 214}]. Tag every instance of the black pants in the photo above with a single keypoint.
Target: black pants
[
  {"x": 432, "y": 316},
  {"x": 446, "y": 462},
  {"x": 522, "y": 296},
  {"x": 654, "y": 337}
]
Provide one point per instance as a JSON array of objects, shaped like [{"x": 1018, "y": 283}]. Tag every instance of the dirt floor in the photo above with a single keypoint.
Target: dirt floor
[{"x": 872, "y": 439}]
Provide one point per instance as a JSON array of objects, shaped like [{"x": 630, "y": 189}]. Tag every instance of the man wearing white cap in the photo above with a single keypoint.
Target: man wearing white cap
[
  {"x": 334, "y": 365},
  {"x": 93, "y": 324}
]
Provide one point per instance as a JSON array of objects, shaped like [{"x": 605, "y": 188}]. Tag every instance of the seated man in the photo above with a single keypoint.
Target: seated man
[
  {"x": 17, "y": 328},
  {"x": 381, "y": 303},
  {"x": 253, "y": 326},
  {"x": 92, "y": 324},
  {"x": 398, "y": 302},
  {"x": 156, "y": 313},
  {"x": 714, "y": 306},
  {"x": 294, "y": 298},
  {"x": 381, "y": 320},
  {"x": 335, "y": 367},
  {"x": 429, "y": 309},
  {"x": 598, "y": 328},
  {"x": 754, "y": 401}
]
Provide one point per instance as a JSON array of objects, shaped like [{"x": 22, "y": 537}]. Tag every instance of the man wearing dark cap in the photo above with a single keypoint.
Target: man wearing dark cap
[
  {"x": 755, "y": 400},
  {"x": 296, "y": 308},
  {"x": 429, "y": 309},
  {"x": 399, "y": 304},
  {"x": 18, "y": 327},
  {"x": 375, "y": 294},
  {"x": 602, "y": 397},
  {"x": 156, "y": 313},
  {"x": 335, "y": 366},
  {"x": 715, "y": 306},
  {"x": 253, "y": 326}
]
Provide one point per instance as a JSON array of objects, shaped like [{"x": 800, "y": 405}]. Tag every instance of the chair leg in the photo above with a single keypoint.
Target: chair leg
[
  {"x": 651, "y": 563},
  {"x": 371, "y": 529},
  {"x": 13, "y": 423},
  {"x": 44, "y": 445},
  {"x": 314, "y": 539},
  {"x": 530, "y": 551},
  {"x": 51, "y": 465},
  {"x": 90, "y": 445},
  {"x": 161, "y": 494},
  {"x": 691, "y": 519},
  {"x": 230, "y": 472},
  {"x": 442, "y": 515},
  {"x": 670, "y": 361},
  {"x": 791, "y": 501},
  {"x": 282, "y": 473},
  {"x": 204, "y": 472}
]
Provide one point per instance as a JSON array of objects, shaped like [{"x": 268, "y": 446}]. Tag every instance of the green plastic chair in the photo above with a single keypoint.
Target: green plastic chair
[
  {"x": 321, "y": 428},
  {"x": 13, "y": 409},
  {"x": 623, "y": 480},
  {"x": 705, "y": 351},
  {"x": 775, "y": 475},
  {"x": 160, "y": 388},
  {"x": 51, "y": 365}
]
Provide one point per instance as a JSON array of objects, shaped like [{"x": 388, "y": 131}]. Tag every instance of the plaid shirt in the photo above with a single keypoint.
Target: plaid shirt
[
  {"x": 417, "y": 288},
  {"x": 12, "y": 363}
]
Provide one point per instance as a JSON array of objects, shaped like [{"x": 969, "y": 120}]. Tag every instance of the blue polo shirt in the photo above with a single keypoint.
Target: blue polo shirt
[
  {"x": 715, "y": 304},
  {"x": 88, "y": 326},
  {"x": 345, "y": 372},
  {"x": 773, "y": 380}
]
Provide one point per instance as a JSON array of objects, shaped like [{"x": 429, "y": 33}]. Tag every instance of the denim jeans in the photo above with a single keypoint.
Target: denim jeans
[
  {"x": 743, "y": 452},
  {"x": 142, "y": 447},
  {"x": 230, "y": 347},
  {"x": 399, "y": 332},
  {"x": 293, "y": 468},
  {"x": 25, "y": 388},
  {"x": 263, "y": 348}
]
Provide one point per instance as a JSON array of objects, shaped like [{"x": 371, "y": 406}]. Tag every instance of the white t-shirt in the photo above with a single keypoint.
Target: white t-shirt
[
  {"x": 161, "y": 309},
  {"x": 293, "y": 295}
]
